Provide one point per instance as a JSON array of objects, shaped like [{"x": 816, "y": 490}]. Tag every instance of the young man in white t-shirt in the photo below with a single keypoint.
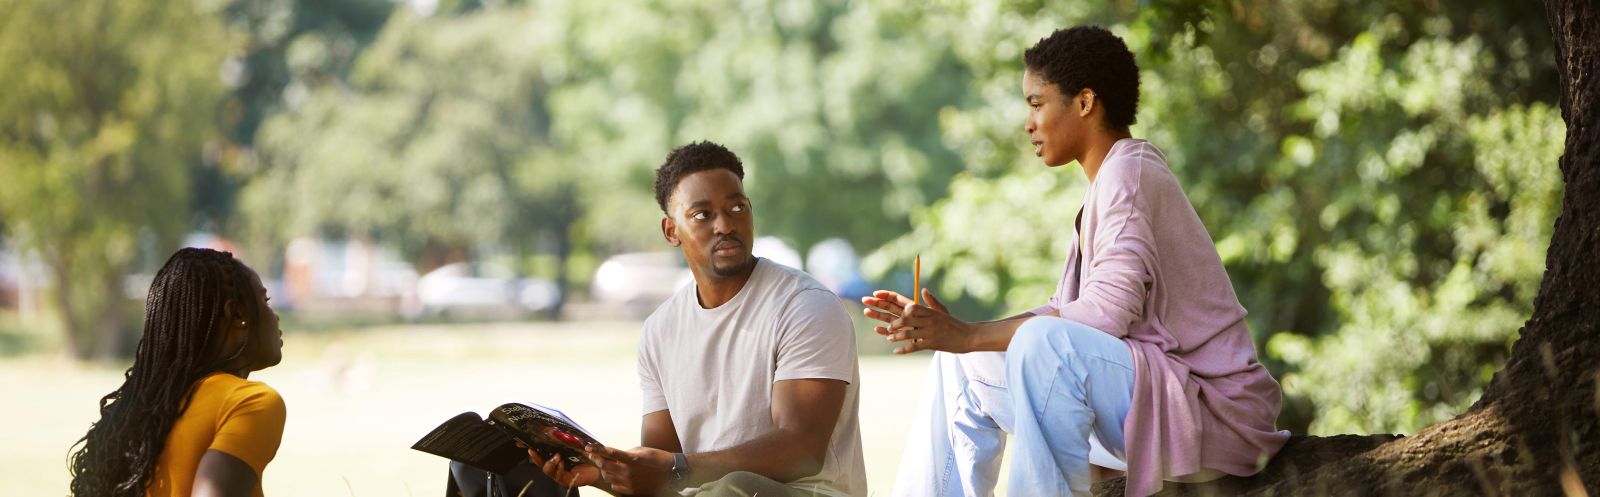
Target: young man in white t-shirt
[{"x": 749, "y": 375}]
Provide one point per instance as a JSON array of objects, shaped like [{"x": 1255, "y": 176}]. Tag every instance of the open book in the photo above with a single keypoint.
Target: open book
[{"x": 490, "y": 444}]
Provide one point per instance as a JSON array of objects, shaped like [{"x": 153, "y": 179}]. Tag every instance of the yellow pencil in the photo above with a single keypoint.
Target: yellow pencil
[{"x": 916, "y": 281}]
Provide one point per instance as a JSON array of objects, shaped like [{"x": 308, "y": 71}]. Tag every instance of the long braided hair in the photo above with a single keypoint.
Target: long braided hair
[{"x": 184, "y": 331}]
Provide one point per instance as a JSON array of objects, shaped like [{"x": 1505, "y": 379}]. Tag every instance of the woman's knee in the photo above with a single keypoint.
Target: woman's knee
[
  {"x": 1060, "y": 335},
  {"x": 1054, "y": 339},
  {"x": 1037, "y": 335}
]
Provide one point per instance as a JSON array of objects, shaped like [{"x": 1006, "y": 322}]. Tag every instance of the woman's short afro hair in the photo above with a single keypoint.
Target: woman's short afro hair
[{"x": 1090, "y": 57}]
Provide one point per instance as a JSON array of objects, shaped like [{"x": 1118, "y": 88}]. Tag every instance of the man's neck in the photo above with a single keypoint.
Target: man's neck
[
  {"x": 1095, "y": 153},
  {"x": 713, "y": 292}
]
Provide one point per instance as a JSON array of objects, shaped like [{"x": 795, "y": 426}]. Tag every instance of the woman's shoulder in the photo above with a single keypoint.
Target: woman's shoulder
[
  {"x": 1137, "y": 166},
  {"x": 232, "y": 382},
  {"x": 235, "y": 390}
]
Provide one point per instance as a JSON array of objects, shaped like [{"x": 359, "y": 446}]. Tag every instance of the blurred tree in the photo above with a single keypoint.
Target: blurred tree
[
  {"x": 440, "y": 142},
  {"x": 279, "y": 50},
  {"x": 398, "y": 153},
  {"x": 100, "y": 123},
  {"x": 833, "y": 106},
  {"x": 795, "y": 88},
  {"x": 1392, "y": 173}
]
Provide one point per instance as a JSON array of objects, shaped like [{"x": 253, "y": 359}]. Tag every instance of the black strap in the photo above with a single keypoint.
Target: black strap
[{"x": 1077, "y": 270}]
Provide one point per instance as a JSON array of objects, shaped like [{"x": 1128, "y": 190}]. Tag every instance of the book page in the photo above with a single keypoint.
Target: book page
[{"x": 469, "y": 439}]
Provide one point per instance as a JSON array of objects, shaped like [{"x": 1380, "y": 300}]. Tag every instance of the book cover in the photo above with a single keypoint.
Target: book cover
[{"x": 490, "y": 444}]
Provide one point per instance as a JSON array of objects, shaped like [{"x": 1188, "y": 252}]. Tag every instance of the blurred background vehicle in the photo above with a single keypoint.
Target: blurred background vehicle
[
  {"x": 834, "y": 263},
  {"x": 637, "y": 282},
  {"x": 481, "y": 291}
]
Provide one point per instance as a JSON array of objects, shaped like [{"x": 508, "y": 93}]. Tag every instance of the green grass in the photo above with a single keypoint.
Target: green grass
[{"x": 358, "y": 398}]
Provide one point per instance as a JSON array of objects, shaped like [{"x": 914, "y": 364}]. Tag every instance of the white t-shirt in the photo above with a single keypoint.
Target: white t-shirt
[{"x": 714, "y": 368}]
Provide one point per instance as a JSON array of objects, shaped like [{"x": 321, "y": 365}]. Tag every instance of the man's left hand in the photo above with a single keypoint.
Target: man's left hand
[{"x": 639, "y": 471}]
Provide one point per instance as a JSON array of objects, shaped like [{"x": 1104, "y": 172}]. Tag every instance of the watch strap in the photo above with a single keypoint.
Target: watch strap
[{"x": 680, "y": 467}]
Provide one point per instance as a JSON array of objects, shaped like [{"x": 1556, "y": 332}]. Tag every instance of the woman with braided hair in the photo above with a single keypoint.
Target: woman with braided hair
[{"x": 185, "y": 420}]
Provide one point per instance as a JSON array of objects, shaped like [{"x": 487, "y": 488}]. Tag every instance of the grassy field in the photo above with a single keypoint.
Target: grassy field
[{"x": 358, "y": 398}]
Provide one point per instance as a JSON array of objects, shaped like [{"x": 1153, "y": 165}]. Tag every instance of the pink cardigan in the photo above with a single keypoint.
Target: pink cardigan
[{"x": 1152, "y": 277}]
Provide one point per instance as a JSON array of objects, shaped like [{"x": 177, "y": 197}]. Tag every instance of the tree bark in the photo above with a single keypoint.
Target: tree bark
[
  {"x": 563, "y": 235},
  {"x": 109, "y": 326},
  {"x": 566, "y": 214},
  {"x": 1536, "y": 429},
  {"x": 72, "y": 328}
]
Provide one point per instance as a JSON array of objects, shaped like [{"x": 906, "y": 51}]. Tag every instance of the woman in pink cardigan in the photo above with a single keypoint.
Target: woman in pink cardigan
[{"x": 1140, "y": 361}]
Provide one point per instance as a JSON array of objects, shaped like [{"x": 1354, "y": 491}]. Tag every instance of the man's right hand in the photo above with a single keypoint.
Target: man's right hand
[{"x": 583, "y": 474}]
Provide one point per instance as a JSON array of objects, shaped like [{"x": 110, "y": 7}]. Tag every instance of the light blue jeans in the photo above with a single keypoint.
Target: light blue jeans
[{"x": 1061, "y": 390}]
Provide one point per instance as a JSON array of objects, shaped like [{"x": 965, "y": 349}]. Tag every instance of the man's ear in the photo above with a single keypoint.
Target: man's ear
[
  {"x": 669, "y": 231},
  {"x": 1087, "y": 101}
]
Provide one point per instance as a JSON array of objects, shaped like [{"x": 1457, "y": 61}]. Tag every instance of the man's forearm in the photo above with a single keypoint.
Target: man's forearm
[{"x": 782, "y": 455}]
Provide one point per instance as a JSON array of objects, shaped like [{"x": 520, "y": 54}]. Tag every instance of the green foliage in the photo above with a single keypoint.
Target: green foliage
[
  {"x": 100, "y": 125},
  {"x": 459, "y": 133},
  {"x": 1423, "y": 335},
  {"x": 835, "y": 110},
  {"x": 984, "y": 247},
  {"x": 322, "y": 36},
  {"x": 1433, "y": 260},
  {"x": 399, "y": 152}
]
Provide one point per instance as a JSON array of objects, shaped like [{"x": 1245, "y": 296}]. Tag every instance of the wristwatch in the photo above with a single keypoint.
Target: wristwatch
[{"x": 680, "y": 469}]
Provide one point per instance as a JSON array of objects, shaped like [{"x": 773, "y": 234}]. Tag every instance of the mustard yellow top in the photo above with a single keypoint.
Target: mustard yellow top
[{"x": 231, "y": 414}]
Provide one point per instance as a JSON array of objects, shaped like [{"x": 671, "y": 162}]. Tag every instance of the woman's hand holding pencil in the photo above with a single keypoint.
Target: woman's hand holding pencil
[
  {"x": 921, "y": 327},
  {"x": 916, "y": 280}
]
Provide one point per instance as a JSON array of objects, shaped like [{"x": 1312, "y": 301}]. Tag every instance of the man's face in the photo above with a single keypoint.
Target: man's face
[
  {"x": 709, "y": 217},
  {"x": 1054, "y": 123}
]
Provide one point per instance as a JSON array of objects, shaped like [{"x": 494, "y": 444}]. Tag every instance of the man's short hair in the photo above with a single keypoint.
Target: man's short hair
[
  {"x": 690, "y": 159},
  {"x": 1090, "y": 57}
]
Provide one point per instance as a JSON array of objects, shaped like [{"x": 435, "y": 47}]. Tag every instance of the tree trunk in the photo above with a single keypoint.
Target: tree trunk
[
  {"x": 563, "y": 232},
  {"x": 93, "y": 329},
  {"x": 1536, "y": 429},
  {"x": 563, "y": 212},
  {"x": 109, "y": 326},
  {"x": 72, "y": 329}
]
